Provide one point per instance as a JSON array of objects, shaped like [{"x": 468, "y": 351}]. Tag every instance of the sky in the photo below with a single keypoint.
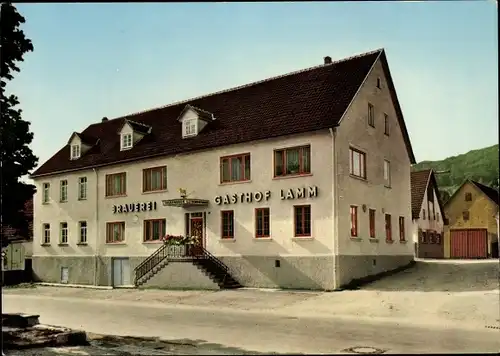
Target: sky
[{"x": 96, "y": 59}]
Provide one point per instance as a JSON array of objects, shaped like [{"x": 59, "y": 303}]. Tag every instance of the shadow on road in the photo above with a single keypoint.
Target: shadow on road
[{"x": 442, "y": 276}]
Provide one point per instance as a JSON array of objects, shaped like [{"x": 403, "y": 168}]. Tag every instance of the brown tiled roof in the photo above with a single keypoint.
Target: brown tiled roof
[
  {"x": 303, "y": 101},
  {"x": 419, "y": 181},
  {"x": 490, "y": 192},
  {"x": 12, "y": 234},
  {"x": 139, "y": 127}
]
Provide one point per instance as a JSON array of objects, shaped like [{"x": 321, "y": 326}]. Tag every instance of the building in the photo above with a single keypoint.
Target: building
[
  {"x": 17, "y": 249},
  {"x": 297, "y": 181},
  {"x": 472, "y": 230},
  {"x": 427, "y": 215}
]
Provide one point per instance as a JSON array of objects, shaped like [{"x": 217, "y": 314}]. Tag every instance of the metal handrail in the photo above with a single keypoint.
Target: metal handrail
[{"x": 151, "y": 262}]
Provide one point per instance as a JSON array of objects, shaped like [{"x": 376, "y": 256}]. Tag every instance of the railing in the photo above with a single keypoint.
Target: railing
[
  {"x": 151, "y": 262},
  {"x": 176, "y": 252}
]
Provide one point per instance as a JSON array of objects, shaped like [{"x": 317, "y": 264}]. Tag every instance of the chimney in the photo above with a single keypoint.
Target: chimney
[
  {"x": 104, "y": 119},
  {"x": 328, "y": 60}
]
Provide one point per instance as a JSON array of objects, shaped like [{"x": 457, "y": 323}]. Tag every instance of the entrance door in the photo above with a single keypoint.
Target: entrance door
[
  {"x": 121, "y": 272},
  {"x": 197, "y": 229}
]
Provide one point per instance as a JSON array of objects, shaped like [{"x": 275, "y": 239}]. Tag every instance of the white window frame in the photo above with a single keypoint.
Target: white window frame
[
  {"x": 190, "y": 127},
  {"x": 362, "y": 163},
  {"x": 83, "y": 232},
  {"x": 126, "y": 141},
  {"x": 75, "y": 151},
  {"x": 63, "y": 238},
  {"x": 387, "y": 173},
  {"x": 63, "y": 191},
  {"x": 82, "y": 188},
  {"x": 46, "y": 193},
  {"x": 46, "y": 234}
]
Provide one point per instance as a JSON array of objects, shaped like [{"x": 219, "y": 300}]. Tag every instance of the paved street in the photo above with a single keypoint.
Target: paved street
[{"x": 247, "y": 330}]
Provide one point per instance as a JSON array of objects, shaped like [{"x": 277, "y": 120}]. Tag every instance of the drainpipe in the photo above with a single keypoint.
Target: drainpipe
[
  {"x": 335, "y": 230},
  {"x": 96, "y": 225}
]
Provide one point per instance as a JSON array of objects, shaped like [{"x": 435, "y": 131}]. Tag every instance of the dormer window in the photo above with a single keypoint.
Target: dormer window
[
  {"x": 75, "y": 151},
  {"x": 190, "y": 127},
  {"x": 126, "y": 141}
]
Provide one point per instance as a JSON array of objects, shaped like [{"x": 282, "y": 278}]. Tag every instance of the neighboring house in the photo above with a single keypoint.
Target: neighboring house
[
  {"x": 16, "y": 255},
  {"x": 297, "y": 181},
  {"x": 427, "y": 215},
  {"x": 472, "y": 231}
]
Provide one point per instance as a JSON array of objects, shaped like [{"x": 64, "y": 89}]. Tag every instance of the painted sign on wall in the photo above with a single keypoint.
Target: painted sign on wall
[
  {"x": 285, "y": 194},
  {"x": 134, "y": 207}
]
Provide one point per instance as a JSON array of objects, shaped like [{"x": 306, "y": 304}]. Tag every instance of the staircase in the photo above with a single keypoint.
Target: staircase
[{"x": 210, "y": 265}]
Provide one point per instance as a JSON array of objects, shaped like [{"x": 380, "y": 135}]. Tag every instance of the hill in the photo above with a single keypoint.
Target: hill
[{"x": 480, "y": 165}]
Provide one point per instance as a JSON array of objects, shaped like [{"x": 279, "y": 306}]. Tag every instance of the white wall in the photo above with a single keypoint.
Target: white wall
[
  {"x": 428, "y": 223},
  {"x": 396, "y": 200},
  {"x": 199, "y": 174}
]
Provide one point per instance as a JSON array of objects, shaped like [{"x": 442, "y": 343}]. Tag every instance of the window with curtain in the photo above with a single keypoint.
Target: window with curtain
[{"x": 292, "y": 161}]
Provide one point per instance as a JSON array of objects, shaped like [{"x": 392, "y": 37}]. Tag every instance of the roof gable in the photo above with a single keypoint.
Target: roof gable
[
  {"x": 491, "y": 193},
  {"x": 419, "y": 183},
  {"x": 304, "y": 101}
]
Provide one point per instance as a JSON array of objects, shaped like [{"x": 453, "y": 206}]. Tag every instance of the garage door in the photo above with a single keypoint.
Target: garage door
[{"x": 470, "y": 243}]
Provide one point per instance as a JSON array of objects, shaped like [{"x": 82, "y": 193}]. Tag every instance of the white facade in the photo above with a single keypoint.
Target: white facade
[
  {"x": 328, "y": 258},
  {"x": 199, "y": 173},
  {"x": 434, "y": 220}
]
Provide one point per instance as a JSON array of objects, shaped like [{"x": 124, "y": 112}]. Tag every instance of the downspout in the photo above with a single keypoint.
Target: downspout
[
  {"x": 335, "y": 230},
  {"x": 96, "y": 226}
]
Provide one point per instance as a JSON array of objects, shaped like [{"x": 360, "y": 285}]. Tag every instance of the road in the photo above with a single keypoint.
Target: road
[{"x": 248, "y": 331}]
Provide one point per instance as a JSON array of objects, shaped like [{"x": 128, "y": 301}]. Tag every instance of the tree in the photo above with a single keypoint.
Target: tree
[{"x": 16, "y": 157}]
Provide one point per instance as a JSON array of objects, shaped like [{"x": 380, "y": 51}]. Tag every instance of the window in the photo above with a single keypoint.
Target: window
[
  {"x": 465, "y": 215},
  {"x": 116, "y": 184},
  {"x": 386, "y": 124},
  {"x": 154, "y": 179},
  {"x": 402, "y": 228},
  {"x": 387, "y": 173},
  {"x": 371, "y": 115},
  {"x": 371, "y": 216},
  {"x": 357, "y": 166},
  {"x": 235, "y": 168},
  {"x": 64, "y": 233},
  {"x": 379, "y": 85},
  {"x": 83, "y": 232},
  {"x": 154, "y": 229},
  {"x": 227, "y": 222},
  {"x": 46, "y": 193},
  {"x": 388, "y": 227},
  {"x": 292, "y": 161},
  {"x": 82, "y": 188},
  {"x": 115, "y": 232},
  {"x": 431, "y": 237},
  {"x": 75, "y": 151},
  {"x": 354, "y": 221},
  {"x": 302, "y": 220},
  {"x": 46, "y": 234},
  {"x": 190, "y": 127},
  {"x": 423, "y": 214},
  {"x": 262, "y": 222},
  {"x": 468, "y": 196},
  {"x": 437, "y": 216},
  {"x": 438, "y": 239},
  {"x": 423, "y": 236},
  {"x": 126, "y": 141},
  {"x": 64, "y": 191}
]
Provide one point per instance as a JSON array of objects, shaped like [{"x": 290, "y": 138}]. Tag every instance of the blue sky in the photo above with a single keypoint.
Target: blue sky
[{"x": 95, "y": 60}]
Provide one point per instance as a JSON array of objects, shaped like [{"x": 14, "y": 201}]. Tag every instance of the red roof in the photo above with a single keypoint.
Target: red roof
[
  {"x": 420, "y": 180},
  {"x": 304, "y": 101}
]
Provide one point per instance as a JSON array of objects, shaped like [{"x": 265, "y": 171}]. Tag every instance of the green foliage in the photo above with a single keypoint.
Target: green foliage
[
  {"x": 15, "y": 154},
  {"x": 479, "y": 165}
]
